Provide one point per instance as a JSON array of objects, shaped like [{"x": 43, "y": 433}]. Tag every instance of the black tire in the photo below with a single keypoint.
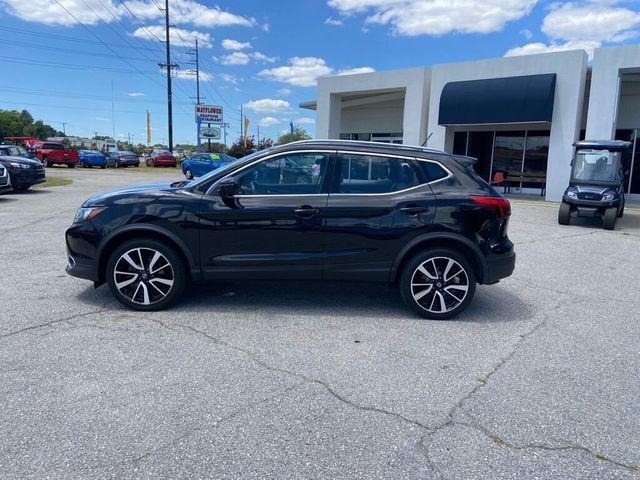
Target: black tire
[
  {"x": 564, "y": 214},
  {"x": 22, "y": 188},
  {"x": 621, "y": 212},
  {"x": 45, "y": 162},
  {"x": 189, "y": 174},
  {"x": 434, "y": 296},
  {"x": 145, "y": 294},
  {"x": 103, "y": 167},
  {"x": 609, "y": 218},
  {"x": 71, "y": 165}
]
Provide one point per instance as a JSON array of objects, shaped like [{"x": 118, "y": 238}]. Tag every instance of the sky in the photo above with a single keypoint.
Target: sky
[{"x": 91, "y": 66}]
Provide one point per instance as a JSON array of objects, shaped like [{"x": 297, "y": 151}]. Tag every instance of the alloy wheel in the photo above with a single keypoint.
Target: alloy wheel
[
  {"x": 439, "y": 285},
  {"x": 144, "y": 276}
]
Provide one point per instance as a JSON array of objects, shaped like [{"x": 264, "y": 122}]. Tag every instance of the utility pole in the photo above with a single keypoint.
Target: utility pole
[
  {"x": 169, "y": 66},
  {"x": 113, "y": 113},
  {"x": 196, "y": 62},
  {"x": 64, "y": 129},
  {"x": 258, "y": 133},
  {"x": 224, "y": 127}
]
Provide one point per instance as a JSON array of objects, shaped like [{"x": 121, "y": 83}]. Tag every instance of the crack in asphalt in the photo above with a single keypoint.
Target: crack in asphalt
[
  {"x": 53, "y": 322},
  {"x": 561, "y": 237}
]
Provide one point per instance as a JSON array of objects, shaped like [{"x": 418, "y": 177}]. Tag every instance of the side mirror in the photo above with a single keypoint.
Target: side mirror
[{"x": 227, "y": 188}]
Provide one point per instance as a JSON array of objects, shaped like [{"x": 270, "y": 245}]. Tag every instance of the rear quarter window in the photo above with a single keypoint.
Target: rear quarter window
[{"x": 433, "y": 171}]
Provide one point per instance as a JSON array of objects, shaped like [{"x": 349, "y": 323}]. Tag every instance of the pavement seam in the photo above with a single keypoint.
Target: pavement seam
[{"x": 53, "y": 322}]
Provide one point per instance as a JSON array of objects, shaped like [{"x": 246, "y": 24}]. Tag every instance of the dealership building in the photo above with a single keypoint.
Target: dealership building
[{"x": 515, "y": 114}]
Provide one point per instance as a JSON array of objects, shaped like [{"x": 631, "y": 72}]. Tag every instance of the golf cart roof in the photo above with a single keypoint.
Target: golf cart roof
[{"x": 603, "y": 144}]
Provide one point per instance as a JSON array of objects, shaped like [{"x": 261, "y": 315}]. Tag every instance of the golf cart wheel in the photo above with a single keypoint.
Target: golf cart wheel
[
  {"x": 438, "y": 284},
  {"x": 189, "y": 174},
  {"x": 609, "y": 218},
  {"x": 621, "y": 212},
  {"x": 564, "y": 214}
]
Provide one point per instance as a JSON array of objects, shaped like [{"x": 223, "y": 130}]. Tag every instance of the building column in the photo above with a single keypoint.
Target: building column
[
  {"x": 416, "y": 108},
  {"x": 329, "y": 115}
]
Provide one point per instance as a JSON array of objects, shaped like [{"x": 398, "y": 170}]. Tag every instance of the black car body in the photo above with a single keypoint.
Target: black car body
[
  {"x": 596, "y": 187},
  {"x": 23, "y": 172},
  {"x": 123, "y": 159},
  {"x": 369, "y": 212},
  {"x": 5, "y": 181}
]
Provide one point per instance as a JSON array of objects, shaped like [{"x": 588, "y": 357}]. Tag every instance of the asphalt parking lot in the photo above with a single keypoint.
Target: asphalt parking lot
[{"x": 538, "y": 378}]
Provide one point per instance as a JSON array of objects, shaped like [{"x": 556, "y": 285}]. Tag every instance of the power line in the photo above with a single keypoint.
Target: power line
[
  {"x": 75, "y": 66},
  {"x": 91, "y": 109}
]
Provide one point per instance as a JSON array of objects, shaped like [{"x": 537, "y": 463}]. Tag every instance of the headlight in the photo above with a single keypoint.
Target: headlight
[
  {"x": 18, "y": 165},
  {"x": 572, "y": 194},
  {"x": 84, "y": 214},
  {"x": 607, "y": 197}
]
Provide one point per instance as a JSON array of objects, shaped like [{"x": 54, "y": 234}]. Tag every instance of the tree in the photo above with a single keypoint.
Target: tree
[
  {"x": 216, "y": 147},
  {"x": 298, "y": 134},
  {"x": 265, "y": 143},
  {"x": 240, "y": 149},
  {"x": 21, "y": 124}
]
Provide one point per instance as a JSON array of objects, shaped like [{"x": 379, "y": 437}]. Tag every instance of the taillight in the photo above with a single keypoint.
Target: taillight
[{"x": 499, "y": 205}]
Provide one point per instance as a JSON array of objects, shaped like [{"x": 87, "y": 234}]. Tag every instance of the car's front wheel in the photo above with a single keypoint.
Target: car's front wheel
[
  {"x": 189, "y": 174},
  {"x": 146, "y": 274},
  {"x": 438, "y": 284}
]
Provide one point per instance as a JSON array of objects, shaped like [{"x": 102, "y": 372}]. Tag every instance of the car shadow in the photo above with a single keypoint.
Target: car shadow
[{"x": 492, "y": 304}]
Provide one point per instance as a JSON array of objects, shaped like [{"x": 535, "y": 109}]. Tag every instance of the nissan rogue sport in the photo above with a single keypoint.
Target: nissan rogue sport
[{"x": 372, "y": 212}]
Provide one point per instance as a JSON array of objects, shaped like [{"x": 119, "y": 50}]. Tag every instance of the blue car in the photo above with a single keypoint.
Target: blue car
[
  {"x": 198, "y": 164},
  {"x": 91, "y": 158}
]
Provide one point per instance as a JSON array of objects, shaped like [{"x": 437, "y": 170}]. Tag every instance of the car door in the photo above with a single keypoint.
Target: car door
[
  {"x": 270, "y": 227},
  {"x": 376, "y": 205}
]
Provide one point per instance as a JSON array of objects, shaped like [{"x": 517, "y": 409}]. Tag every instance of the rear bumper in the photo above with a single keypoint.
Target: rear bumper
[{"x": 499, "y": 267}]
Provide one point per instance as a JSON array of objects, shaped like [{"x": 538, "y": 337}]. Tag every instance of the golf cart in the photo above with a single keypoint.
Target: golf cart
[{"x": 596, "y": 187}]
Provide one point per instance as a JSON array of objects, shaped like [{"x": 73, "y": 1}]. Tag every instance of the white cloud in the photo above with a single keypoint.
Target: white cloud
[
  {"x": 177, "y": 36},
  {"x": 229, "y": 44},
  {"x": 103, "y": 119},
  {"x": 305, "y": 121},
  {"x": 135, "y": 94},
  {"x": 437, "y": 17},
  {"x": 334, "y": 22},
  {"x": 600, "y": 22},
  {"x": 235, "y": 58},
  {"x": 533, "y": 48},
  {"x": 225, "y": 77},
  {"x": 268, "y": 105},
  {"x": 187, "y": 11},
  {"x": 48, "y": 12},
  {"x": 305, "y": 71},
  {"x": 284, "y": 92},
  {"x": 269, "y": 122},
  {"x": 526, "y": 33},
  {"x": 261, "y": 57},
  {"x": 355, "y": 71}
]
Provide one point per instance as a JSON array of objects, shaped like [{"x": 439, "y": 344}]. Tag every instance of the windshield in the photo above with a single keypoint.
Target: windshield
[
  {"x": 15, "y": 151},
  {"x": 593, "y": 165},
  {"x": 221, "y": 171}
]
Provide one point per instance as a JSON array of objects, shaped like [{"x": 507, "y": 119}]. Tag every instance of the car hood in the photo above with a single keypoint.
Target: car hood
[
  {"x": 28, "y": 161},
  {"x": 132, "y": 194}
]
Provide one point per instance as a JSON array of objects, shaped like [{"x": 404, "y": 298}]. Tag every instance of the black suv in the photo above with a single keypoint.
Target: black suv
[{"x": 369, "y": 212}]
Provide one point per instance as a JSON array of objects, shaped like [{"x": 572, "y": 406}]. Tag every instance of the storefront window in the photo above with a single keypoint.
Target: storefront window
[
  {"x": 537, "y": 152},
  {"x": 507, "y": 155}
]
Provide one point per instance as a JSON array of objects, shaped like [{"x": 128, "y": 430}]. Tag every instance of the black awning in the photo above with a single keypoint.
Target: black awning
[{"x": 498, "y": 100}]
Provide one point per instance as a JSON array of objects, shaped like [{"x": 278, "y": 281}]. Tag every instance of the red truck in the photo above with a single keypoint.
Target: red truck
[{"x": 52, "y": 153}]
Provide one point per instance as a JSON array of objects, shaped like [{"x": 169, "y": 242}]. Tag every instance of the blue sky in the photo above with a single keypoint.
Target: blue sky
[{"x": 61, "y": 58}]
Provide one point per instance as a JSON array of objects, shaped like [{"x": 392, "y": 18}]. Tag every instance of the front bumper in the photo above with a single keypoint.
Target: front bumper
[
  {"x": 25, "y": 177},
  {"x": 81, "y": 240}
]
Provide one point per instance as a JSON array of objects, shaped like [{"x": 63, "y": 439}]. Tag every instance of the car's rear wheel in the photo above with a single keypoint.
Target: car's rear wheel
[
  {"x": 609, "y": 218},
  {"x": 189, "y": 174},
  {"x": 71, "y": 165},
  {"x": 45, "y": 162},
  {"x": 438, "y": 284},
  {"x": 146, "y": 275},
  {"x": 564, "y": 214}
]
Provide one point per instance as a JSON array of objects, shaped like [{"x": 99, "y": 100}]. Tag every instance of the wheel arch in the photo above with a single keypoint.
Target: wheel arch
[
  {"x": 441, "y": 240},
  {"x": 149, "y": 232}
]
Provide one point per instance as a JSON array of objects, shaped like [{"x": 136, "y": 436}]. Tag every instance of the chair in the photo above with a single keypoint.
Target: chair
[{"x": 499, "y": 180}]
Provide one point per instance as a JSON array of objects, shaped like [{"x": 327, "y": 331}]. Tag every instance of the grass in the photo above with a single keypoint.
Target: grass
[{"x": 54, "y": 182}]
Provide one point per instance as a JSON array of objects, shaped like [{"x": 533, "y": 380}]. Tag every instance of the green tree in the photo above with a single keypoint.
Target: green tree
[
  {"x": 265, "y": 143},
  {"x": 21, "y": 124},
  {"x": 239, "y": 148},
  {"x": 298, "y": 134}
]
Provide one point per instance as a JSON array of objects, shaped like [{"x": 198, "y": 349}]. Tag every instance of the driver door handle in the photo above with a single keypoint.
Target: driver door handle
[
  {"x": 306, "y": 211},
  {"x": 414, "y": 210}
]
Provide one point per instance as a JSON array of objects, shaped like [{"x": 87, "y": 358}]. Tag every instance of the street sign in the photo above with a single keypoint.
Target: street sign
[
  {"x": 210, "y": 133},
  {"x": 209, "y": 114}
]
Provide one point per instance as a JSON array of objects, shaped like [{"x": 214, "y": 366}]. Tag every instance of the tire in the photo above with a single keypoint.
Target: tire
[
  {"x": 609, "y": 218},
  {"x": 45, "y": 162},
  {"x": 189, "y": 174},
  {"x": 137, "y": 293},
  {"x": 71, "y": 165},
  {"x": 621, "y": 212},
  {"x": 22, "y": 188},
  {"x": 427, "y": 292},
  {"x": 116, "y": 164},
  {"x": 103, "y": 167},
  {"x": 564, "y": 214}
]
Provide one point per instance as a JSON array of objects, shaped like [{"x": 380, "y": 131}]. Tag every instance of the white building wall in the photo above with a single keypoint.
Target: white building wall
[
  {"x": 570, "y": 69},
  {"x": 608, "y": 64},
  {"x": 414, "y": 82},
  {"x": 375, "y": 118}
]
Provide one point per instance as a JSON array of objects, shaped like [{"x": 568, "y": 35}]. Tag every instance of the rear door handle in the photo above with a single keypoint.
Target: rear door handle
[
  {"x": 306, "y": 211},
  {"x": 414, "y": 210}
]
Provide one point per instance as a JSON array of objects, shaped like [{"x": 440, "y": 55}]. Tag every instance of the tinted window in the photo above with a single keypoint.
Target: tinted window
[
  {"x": 53, "y": 146},
  {"x": 292, "y": 174},
  {"x": 433, "y": 171},
  {"x": 373, "y": 174}
]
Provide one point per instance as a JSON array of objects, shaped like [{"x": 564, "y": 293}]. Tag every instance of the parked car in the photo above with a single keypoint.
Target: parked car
[
  {"x": 91, "y": 158},
  {"x": 23, "y": 172},
  {"x": 5, "y": 180},
  {"x": 123, "y": 159},
  {"x": 52, "y": 153},
  {"x": 198, "y": 164},
  {"x": 161, "y": 158},
  {"x": 373, "y": 212}
]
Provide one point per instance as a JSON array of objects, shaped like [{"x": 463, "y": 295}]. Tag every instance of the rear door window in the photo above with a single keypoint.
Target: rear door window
[{"x": 366, "y": 174}]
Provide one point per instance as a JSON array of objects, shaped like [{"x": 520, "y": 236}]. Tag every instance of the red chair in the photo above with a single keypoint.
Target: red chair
[{"x": 499, "y": 180}]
